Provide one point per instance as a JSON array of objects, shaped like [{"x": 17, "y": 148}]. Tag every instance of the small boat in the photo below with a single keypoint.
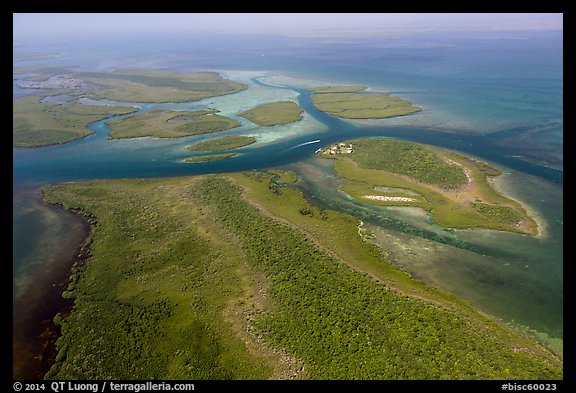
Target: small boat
[{"x": 319, "y": 150}]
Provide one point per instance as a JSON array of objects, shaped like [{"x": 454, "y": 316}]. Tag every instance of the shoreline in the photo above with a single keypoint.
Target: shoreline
[
  {"x": 404, "y": 260},
  {"x": 499, "y": 184},
  {"x": 34, "y": 331}
]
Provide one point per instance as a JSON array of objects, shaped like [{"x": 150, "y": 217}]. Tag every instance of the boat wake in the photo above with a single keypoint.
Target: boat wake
[
  {"x": 303, "y": 144},
  {"x": 306, "y": 143}
]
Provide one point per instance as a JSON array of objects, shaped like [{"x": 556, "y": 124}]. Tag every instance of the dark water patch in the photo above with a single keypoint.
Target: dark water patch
[
  {"x": 540, "y": 144},
  {"x": 487, "y": 82},
  {"x": 42, "y": 271}
]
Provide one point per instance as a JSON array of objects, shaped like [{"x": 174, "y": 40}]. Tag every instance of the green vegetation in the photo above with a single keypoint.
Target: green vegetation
[
  {"x": 360, "y": 189},
  {"x": 337, "y": 89},
  {"x": 224, "y": 278},
  {"x": 362, "y": 105},
  {"x": 211, "y": 157},
  {"x": 279, "y": 178},
  {"x": 503, "y": 214},
  {"x": 336, "y": 232},
  {"x": 169, "y": 124},
  {"x": 37, "y": 124},
  {"x": 158, "y": 86},
  {"x": 416, "y": 161},
  {"x": 345, "y": 325},
  {"x": 452, "y": 187},
  {"x": 228, "y": 142},
  {"x": 158, "y": 298},
  {"x": 283, "y": 176},
  {"x": 273, "y": 114},
  {"x": 133, "y": 85},
  {"x": 486, "y": 168}
]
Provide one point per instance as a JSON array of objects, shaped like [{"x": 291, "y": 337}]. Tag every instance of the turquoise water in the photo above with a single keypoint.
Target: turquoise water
[{"x": 496, "y": 96}]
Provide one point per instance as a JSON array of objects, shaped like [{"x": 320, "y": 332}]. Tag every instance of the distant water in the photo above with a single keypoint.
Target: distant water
[{"x": 494, "y": 95}]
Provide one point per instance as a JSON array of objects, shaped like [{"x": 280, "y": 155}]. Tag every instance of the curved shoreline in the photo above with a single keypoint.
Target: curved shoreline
[
  {"x": 449, "y": 207},
  {"x": 530, "y": 211},
  {"x": 541, "y": 223},
  {"x": 37, "y": 331}
]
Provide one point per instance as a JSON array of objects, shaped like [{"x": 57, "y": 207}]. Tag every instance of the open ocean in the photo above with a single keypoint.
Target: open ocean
[{"x": 493, "y": 95}]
